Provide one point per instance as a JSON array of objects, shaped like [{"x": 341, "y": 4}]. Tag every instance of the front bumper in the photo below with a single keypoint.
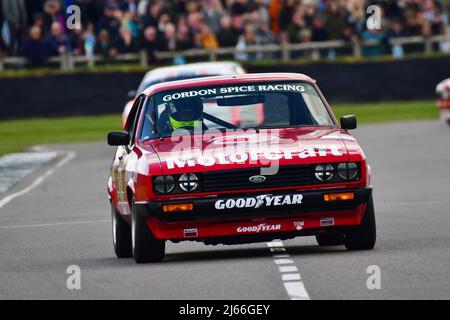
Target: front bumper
[
  {"x": 242, "y": 205},
  {"x": 228, "y": 225}
]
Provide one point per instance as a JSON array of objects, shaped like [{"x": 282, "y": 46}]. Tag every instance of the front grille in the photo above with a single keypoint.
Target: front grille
[{"x": 239, "y": 178}]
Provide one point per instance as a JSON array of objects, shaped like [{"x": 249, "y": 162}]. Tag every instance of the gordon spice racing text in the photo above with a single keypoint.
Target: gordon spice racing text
[{"x": 237, "y": 159}]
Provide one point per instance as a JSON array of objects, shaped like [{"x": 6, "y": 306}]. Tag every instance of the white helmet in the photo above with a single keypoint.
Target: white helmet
[{"x": 443, "y": 94}]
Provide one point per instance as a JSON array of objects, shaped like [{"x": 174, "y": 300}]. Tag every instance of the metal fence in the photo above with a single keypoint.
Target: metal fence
[{"x": 284, "y": 52}]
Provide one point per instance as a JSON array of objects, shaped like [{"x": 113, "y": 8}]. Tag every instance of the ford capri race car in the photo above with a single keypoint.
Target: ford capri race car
[{"x": 182, "y": 171}]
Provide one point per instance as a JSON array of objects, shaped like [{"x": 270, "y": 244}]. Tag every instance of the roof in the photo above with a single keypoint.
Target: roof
[
  {"x": 213, "y": 68},
  {"x": 218, "y": 80}
]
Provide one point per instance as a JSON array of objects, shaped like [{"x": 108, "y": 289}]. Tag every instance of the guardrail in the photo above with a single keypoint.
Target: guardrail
[{"x": 285, "y": 52}]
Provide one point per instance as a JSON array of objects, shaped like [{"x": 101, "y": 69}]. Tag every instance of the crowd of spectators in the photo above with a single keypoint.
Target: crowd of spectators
[{"x": 37, "y": 29}]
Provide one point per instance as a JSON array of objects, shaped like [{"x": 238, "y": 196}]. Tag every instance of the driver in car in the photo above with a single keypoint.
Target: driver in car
[{"x": 181, "y": 114}]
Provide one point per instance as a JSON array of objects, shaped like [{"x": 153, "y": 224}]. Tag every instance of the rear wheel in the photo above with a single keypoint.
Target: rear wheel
[
  {"x": 146, "y": 248},
  {"x": 330, "y": 239},
  {"x": 121, "y": 232},
  {"x": 363, "y": 237}
]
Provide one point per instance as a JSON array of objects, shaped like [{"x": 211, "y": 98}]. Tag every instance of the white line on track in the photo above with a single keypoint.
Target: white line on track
[
  {"x": 69, "y": 156},
  {"x": 52, "y": 224},
  {"x": 289, "y": 273}
]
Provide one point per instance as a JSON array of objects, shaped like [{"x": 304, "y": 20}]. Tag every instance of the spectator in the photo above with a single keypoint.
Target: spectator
[
  {"x": 53, "y": 13},
  {"x": 76, "y": 40},
  {"x": 150, "y": 42},
  {"x": 103, "y": 44},
  {"x": 395, "y": 30},
  {"x": 444, "y": 46},
  {"x": 39, "y": 21},
  {"x": 212, "y": 13},
  {"x": 335, "y": 17},
  {"x": 169, "y": 40},
  {"x": 373, "y": 39},
  {"x": 152, "y": 16},
  {"x": 14, "y": 17},
  {"x": 109, "y": 21},
  {"x": 227, "y": 36},
  {"x": 124, "y": 42},
  {"x": 184, "y": 37},
  {"x": 248, "y": 39},
  {"x": 36, "y": 49},
  {"x": 297, "y": 25},
  {"x": 208, "y": 38},
  {"x": 58, "y": 43},
  {"x": 319, "y": 32}
]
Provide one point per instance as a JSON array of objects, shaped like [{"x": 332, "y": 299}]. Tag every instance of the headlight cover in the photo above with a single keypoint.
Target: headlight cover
[
  {"x": 164, "y": 184},
  {"x": 324, "y": 172},
  {"x": 347, "y": 170},
  {"x": 188, "y": 182}
]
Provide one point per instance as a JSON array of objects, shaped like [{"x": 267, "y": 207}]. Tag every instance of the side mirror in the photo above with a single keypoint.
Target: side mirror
[
  {"x": 132, "y": 94},
  {"x": 348, "y": 122},
  {"x": 118, "y": 138}
]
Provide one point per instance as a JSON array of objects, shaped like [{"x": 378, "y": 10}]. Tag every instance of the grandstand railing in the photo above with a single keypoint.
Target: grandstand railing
[{"x": 284, "y": 52}]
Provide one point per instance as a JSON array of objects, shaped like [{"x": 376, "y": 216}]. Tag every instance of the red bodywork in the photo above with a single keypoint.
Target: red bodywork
[{"x": 134, "y": 168}]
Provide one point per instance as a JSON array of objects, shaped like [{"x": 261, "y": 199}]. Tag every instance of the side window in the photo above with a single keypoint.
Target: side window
[
  {"x": 135, "y": 119},
  {"x": 148, "y": 131}
]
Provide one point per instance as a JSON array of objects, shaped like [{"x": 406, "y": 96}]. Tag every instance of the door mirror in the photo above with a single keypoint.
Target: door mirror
[
  {"x": 348, "y": 122},
  {"x": 132, "y": 94},
  {"x": 118, "y": 138}
]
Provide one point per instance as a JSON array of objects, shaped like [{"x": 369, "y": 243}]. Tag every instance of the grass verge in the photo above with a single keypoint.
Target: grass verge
[
  {"x": 16, "y": 135},
  {"x": 389, "y": 111}
]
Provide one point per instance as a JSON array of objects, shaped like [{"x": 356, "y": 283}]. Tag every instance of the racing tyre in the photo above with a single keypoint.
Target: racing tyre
[
  {"x": 363, "y": 237},
  {"x": 330, "y": 239},
  {"x": 146, "y": 248},
  {"x": 121, "y": 233}
]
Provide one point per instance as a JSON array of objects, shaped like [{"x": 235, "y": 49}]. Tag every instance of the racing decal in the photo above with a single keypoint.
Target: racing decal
[
  {"x": 326, "y": 221},
  {"x": 265, "y": 200},
  {"x": 242, "y": 157},
  {"x": 298, "y": 225},
  {"x": 190, "y": 233},
  {"x": 232, "y": 90},
  {"x": 259, "y": 228}
]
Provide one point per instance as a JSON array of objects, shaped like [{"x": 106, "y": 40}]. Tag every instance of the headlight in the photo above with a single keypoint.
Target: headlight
[
  {"x": 188, "y": 182},
  {"x": 347, "y": 170},
  {"x": 324, "y": 172},
  {"x": 164, "y": 184}
]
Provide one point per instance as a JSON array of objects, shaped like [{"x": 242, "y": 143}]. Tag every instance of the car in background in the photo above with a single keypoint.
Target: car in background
[
  {"x": 443, "y": 99},
  {"x": 182, "y": 72},
  {"x": 182, "y": 171}
]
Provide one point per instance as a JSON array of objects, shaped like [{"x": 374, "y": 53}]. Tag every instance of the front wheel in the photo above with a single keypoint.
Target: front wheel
[
  {"x": 363, "y": 237},
  {"x": 146, "y": 248},
  {"x": 121, "y": 233}
]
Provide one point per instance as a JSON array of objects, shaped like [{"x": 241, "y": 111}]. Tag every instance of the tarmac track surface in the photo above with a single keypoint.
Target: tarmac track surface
[{"x": 65, "y": 221}]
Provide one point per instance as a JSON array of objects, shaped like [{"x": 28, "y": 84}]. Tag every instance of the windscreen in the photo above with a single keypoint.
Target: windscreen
[{"x": 231, "y": 107}]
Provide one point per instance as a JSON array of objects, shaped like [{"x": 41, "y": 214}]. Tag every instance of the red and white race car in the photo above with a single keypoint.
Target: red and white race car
[
  {"x": 443, "y": 99},
  {"x": 181, "y": 72},
  {"x": 183, "y": 172}
]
